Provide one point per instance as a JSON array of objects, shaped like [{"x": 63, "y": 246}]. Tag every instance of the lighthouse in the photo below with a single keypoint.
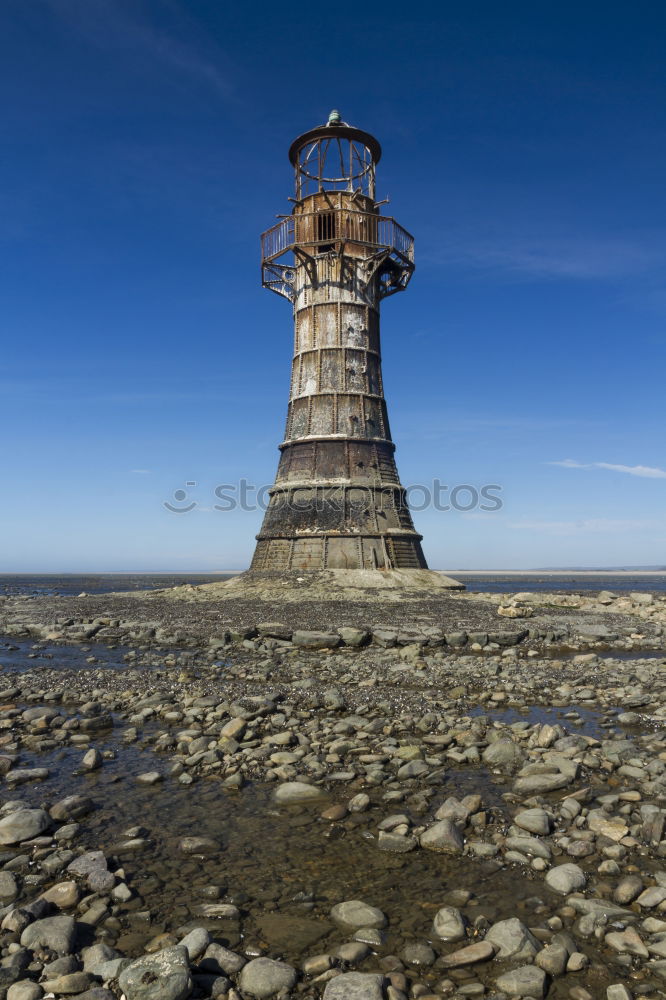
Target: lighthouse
[{"x": 337, "y": 501}]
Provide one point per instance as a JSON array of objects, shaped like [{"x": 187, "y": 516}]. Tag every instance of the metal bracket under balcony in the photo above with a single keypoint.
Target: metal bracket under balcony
[{"x": 279, "y": 278}]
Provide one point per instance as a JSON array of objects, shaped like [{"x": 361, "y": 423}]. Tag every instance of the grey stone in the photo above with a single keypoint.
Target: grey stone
[
  {"x": 196, "y": 942},
  {"x": 68, "y": 983},
  {"x": 527, "y": 981},
  {"x": 453, "y": 809},
  {"x": 617, "y": 991},
  {"x": 352, "y": 952},
  {"x": 396, "y": 842},
  {"x": 504, "y": 755},
  {"x": 600, "y": 909},
  {"x": 198, "y": 845},
  {"x": 8, "y": 887},
  {"x": 659, "y": 968},
  {"x": 149, "y": 778},
  {"x": 24, "y": 824},
  {"x": 508, "y": 638},
  {"x": 512, "y": 939},
  {"x": 480, "y": 951},
  {"x": 606, "y": 597},
  {"x": 628, "y": 718},
  {"x": 315, "y": 640},
  {"x": 96, "y": 955},
  {"x": 107, "y": 971},
  {"x": 384, "y": 637},
  {"x": 218, "y": 959},
  {"x": 444, "y": 837},
  {"x": 531, "y": 846},
  {"x": 628, "y": 889},
  {"x": 354, "y": 914},
  {"x": 23, "y": 774},
  {"x": 71, "y": 807},
  {"x": 63, "y": 895},
  {"x": 418, "y": 953},
  {"x": 92, "y": 760},
  {"x": 537, "y": 784},
  {"x": 297, "y": 791},
  {"x": 264, "y": 977},
  {"x": 449, "y": 924},
  {"x": 93, "y": 867},
  {"x": 553, "y": 959},
  {"x": 354, "y": 636},
  {"x": 355, "y": 986},
  {"x": 534, "y": 821},
  {"x": 596, "y": 632},
  {"x": 651, "y": 897},
  {"x": 274, "y": 630},
  {"x": 627, "y": 942},
  {"x": 25, "y": 990},
  {"x": 412, "y": 769},
  {"x": 373, "y": 936},
  {"x": 60, "y": 967},
  {"x": 56, "y": 933},
  {"x": 164, "y": 975},
  {"x": 565, "y": 878}
]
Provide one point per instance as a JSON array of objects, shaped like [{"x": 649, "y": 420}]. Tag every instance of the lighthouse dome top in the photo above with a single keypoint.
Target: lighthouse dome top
[
  {"x": 336, "y": 128},
  {"x": 335, "y": 156}
]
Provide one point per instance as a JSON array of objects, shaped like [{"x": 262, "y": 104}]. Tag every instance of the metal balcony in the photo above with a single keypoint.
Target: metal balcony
[{"x": 337, "y": 230}]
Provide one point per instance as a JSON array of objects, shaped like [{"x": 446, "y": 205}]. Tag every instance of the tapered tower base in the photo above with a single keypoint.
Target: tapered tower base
[{"x": 335, "y": 552}]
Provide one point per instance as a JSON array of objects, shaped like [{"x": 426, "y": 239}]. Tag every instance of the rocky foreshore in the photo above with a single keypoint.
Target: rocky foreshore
[{"x": 421, "y": 799}]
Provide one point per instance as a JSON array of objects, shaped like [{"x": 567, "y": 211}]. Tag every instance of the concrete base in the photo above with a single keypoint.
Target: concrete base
[{"x": 331, "y": 585}]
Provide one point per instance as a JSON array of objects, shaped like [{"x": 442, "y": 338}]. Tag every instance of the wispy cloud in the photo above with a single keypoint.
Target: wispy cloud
[
  {"x": 117, "y": 24},
  {"x": 141, "y": 472},
  {"x": 593, "y": 525},
  {"x": 643, "y": 471},
  {"x": 547, "y": 255}
]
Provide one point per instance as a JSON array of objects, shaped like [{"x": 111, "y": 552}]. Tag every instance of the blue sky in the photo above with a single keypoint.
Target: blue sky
[{"x": 145, "y": 148}]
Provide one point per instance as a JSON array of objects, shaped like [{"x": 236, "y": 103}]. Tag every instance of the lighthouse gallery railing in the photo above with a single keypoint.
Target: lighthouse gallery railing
[{"x": 319, "y": 230}]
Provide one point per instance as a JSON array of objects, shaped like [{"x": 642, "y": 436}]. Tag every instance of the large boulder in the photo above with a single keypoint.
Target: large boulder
[
  {"x": 56, "y": 933},
  {"x": 534, "y": 820},
  {"x": 504, "y": 755},
  {"x": 23, "y": 824},
  {"x": 512, "y": 939},
  {"x": 162, "y": 976},
  {"x": 354, "y": 913},
  {"x": 565, "y": 878},
  {"x": 264, "y": 977},
  {"x": 540, "y": 784},
  {"x": 527, "y": 981},
  {"x": 71, "y": 807},
  {"x": 355, "y": 986},
  {"x": 291, "y": 792},
  {"x": 449, "y": 924},
  {"x": 94, "y": 868},
  {"x": 444, "y": 837},
  {"x": 315, "y": 640}
]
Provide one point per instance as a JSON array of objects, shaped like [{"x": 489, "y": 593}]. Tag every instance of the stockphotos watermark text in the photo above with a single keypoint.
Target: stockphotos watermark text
[{"x": 247, "y": 496}]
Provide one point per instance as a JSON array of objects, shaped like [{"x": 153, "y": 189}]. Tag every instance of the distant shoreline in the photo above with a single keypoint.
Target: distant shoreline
[
  {"x": 554, "y": 572},
  {"x": 449, "y": 572}
]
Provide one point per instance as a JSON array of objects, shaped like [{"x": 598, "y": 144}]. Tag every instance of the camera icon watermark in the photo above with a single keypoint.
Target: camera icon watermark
[{"x": 417, "y": 497}]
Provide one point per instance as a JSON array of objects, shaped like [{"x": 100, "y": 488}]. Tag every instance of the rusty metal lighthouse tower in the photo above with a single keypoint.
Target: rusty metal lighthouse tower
[{"x": 337, "y": 502}]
